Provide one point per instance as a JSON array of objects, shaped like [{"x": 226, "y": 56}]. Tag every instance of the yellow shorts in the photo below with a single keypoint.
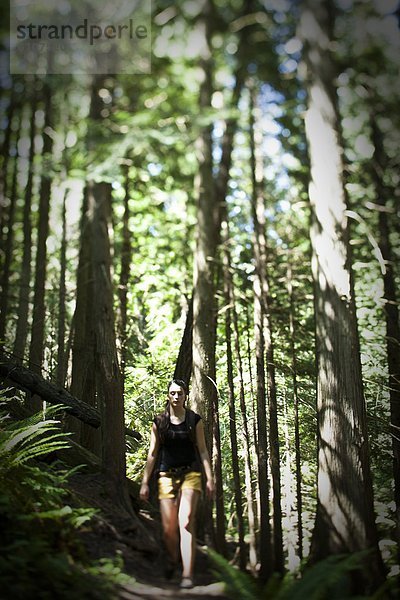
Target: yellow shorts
[{"x": 169, "y": 484}]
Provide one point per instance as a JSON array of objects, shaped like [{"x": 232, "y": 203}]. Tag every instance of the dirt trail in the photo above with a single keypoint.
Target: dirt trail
[
  {"x": 139, "y": 545},
  {"x": 140, "y": 591},
  {"x": 151, "y": 584}
]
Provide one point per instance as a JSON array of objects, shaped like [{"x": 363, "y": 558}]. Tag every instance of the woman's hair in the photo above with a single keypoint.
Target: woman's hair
[
  {"x": 164, "y": 418},
  {"x": 181, "y": 383}
]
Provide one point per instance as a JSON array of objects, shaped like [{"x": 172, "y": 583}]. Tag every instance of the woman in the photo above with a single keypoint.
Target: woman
[{"x": 179, "y": 436}]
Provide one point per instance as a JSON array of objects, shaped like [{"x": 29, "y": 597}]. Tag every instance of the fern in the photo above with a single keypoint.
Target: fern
[
  {"x": 328, "y": 579},
  {"x": 239, "y": 585},
  {"x": 17, "y": 440},
  {"x": 41, "y": 555}
]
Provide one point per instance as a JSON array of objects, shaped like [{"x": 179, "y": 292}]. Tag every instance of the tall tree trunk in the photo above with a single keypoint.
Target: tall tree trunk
[
  {"x": 26, "y": 268},
  {"x": 109, "y": 383},
  {"x": 185, "y": 357},
  {"x": 109, "y": 391},
  {"x": 253, "y": 412},
  {"x": 251, "y": 517},
  {"x": 391, "y": 312},
  {"x": 260, "y": 257},
  {"x": 200, "y": 328},
  {"x": 288, "y": 495},
  {"x": 83, "y": 368},
  {"x": 204, "y": 311},
  {"x": 292, "y": 337},
  {"x": 61, "y": 355},
  {"x": 221, "y": 189},
  {"x": 5, "y": 154},
  {"x": 83, "y": 371},
  {"x": 8, "y": 252},
  {"x": 222, "y": 181},
  {"x": 231, "y": 394},
  {"x": 274, "y": 450},
  {"x": 126, "y": 255},
  {"x": 219, "y": 530},
  {"x": 345, "y": 517},
  {"x": 265, "y": 549},
  {"x": 36, "y": 349},
  {"x": 184, "y": 361},
  {"x": 204, "y": 388}
]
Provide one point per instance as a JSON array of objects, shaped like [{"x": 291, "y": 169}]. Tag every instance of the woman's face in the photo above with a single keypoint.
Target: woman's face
[{"x": 176, "y": 395}]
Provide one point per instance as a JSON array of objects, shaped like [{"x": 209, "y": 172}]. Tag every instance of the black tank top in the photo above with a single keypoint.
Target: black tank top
[{"x": 178, "y": 449}]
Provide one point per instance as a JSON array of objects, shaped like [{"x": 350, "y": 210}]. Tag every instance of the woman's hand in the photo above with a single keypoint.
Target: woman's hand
[
  {"x": 210, "y": 489},
  {"x": 151, "y": 461},
  {"x": 205, "y": 460},
  {"x": 144, "y": 492}
]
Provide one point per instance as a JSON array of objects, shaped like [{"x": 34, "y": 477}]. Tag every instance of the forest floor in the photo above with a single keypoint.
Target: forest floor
[{"x": 138, "y": 542}]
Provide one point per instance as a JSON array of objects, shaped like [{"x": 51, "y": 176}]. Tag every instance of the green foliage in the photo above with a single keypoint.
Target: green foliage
[
  {"x": 28, "y": 439},
  {"x": 239, "y": 585},
  {"x": 329, "y": 579},
  {"x": 40, "y": 552}
]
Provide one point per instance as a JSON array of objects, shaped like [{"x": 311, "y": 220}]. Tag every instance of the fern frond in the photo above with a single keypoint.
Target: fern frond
[
  {"x": 24, "y": 435},
  {"x": 47, "y": 445},
  {"x": 49, "y": 414},
  {"x": 30, "y": 438},
  {"x": 322, "y": 579},
  {"x": 273, "y": 587},
  {"x": 239, "y": 585}
]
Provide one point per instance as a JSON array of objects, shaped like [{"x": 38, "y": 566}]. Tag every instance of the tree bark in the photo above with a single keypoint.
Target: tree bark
[
  {"x": 261, "y": 251},
  {"x": 204, "y": 389},
  {"x": 219, "y": 530},
  {"x": 83, "y": 368},
  {"x": 5, "y": 153},
  {"x": 8, "y": 252},
  {"x": 391, "y": 312},
  {"x": 61, "y": 355},
  {"x": 288, "y": 495},
  {"x": 263, "y": 342},
  {"x": 292, "y": 336},
  {"x": 345, "y": 516},
  {"x": 108, "y": 384},
  {"x": 184, "y": 361},
  {"x": 126, "y": 255},
  {"x": 231, "y": 394},
  {"x": 265, "y": 549},
  {"x": 26, "y": 269},
  {"x": 36, "y": 349},
  {"x": 251, "y": 516}
]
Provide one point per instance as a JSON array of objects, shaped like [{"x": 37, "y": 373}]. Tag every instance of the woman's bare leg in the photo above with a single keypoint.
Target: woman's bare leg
[
  {"x": 187, "y": 528},
  {"x": 169, "y": 519}
]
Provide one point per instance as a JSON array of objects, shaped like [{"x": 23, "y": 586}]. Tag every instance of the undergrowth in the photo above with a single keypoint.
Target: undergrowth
[
  {"x": 41, "y": 555},
  {"x": 329, "y": 579}
]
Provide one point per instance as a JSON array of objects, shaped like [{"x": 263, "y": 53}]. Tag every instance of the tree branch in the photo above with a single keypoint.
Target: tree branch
[{"x": 24, "y": 379}]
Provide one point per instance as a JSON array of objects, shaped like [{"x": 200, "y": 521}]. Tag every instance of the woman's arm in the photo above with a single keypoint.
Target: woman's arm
[
  {"x": 150, "y": 462},
  {"x": 205, "y": 458}
]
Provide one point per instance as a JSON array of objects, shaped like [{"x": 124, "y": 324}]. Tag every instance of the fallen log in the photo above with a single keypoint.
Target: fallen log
[{"x": 16, "y": 375}]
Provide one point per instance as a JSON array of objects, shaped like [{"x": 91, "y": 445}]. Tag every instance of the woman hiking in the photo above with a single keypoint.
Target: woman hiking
[{"x": 178, "y": 434}]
